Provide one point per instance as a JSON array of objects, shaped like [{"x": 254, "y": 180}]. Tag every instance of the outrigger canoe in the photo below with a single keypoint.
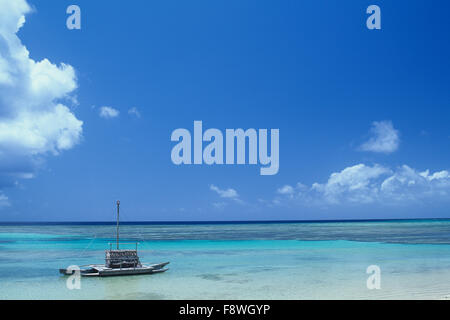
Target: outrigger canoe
[
  {"x": 101, "y": 270},
  {"x": 117, "y": 263}
]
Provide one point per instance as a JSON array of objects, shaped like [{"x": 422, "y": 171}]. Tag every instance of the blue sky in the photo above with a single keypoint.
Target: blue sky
[{"x": 363, "y": 114}]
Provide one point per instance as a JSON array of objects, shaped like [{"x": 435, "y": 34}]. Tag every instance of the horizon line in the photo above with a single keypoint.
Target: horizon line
[{"x": 218, "y": 221}]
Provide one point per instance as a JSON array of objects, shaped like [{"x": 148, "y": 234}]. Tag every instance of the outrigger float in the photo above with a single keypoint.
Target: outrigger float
[{"x": 118, "y": 262}]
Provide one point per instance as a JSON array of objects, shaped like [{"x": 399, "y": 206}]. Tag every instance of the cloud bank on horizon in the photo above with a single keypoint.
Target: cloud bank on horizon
[
  {"x": 364, "y": 184},
  {"x": 34, "y": 122}
]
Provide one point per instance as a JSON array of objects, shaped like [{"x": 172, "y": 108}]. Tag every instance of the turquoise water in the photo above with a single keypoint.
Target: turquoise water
[{"x": 234, "y": 261}]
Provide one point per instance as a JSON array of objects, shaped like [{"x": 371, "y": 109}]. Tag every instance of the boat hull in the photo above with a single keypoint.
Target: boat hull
[
  {"x": 131, "y": 272},
  {"x": 102, "y": 271}
]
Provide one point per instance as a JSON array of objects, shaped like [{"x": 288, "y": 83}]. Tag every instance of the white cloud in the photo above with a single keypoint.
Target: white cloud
[
  {"x": 363, "y": 184},
  {"x": 409, "y": 184},
  {"x": 134, "y": 112},
  {"x": 287, "y": 189},
  {"x": 4, "y": 201},
  {"x": 108, "y": 112},
  {"x": 354, "y": 183},
  {"x": 228, "y": 193},
  {"x": 35, "y": 133},
  {"x": 384, "y": 138},
  {"x": 33, "y": 118}
]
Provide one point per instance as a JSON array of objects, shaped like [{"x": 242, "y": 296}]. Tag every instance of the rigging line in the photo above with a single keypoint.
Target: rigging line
[
  {"x": 138, "y": 233},
  {"x": 87, "y": 247}
]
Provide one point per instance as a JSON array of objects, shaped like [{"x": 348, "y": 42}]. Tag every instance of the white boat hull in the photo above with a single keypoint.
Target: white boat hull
[{"x": 103, "y": 271}]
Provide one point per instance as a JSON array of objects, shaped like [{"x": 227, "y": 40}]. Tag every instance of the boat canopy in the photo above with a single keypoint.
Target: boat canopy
[{"x": 121, "y": 259}]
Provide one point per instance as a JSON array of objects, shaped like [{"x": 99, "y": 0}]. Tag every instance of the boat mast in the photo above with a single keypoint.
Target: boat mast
[{"x": 118, "y": 204}]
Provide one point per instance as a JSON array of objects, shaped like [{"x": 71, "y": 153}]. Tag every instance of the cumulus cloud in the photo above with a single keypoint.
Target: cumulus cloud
[
  {"x": 228, "y": 193},
  {"x": 384, "y": 138},
  {"x": 34, "y": 121},
  {"x": 356, "y": 184},
  {"x": 108, "y": 112},
  {"x": 409, "y": 184},
  {"x": 287, "y": 189},
  {"x": 364, "y": 184},
  {"x": 134, "y": 112}
]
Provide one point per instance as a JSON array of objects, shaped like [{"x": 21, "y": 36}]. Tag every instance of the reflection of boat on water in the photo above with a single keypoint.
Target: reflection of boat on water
[{"x": 118, "y": 262}]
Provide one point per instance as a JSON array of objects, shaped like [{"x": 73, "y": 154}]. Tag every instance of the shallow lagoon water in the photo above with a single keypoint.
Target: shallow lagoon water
[{"x": 234, "y": 261}]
